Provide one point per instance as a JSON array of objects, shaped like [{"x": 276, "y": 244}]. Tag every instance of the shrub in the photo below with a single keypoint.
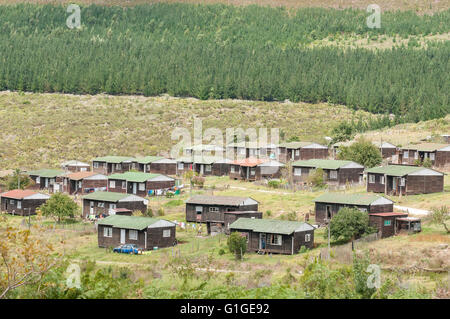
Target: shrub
[
  {"x": 237, "y": 244},
  {"x": 349, "y": 223}
]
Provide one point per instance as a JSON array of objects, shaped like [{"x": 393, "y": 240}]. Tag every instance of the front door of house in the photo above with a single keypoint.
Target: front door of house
[
  {"x": 134, "y": 188},
  {"x": 122, "y": 236},
  {"x": 262, "y": 241},
  {"x": 91, "y": 208}
]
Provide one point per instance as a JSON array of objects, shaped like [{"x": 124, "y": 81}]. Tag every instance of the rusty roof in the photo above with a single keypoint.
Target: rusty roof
[
  {"x": 388, "y": 214},
  {"x": 80, "y": 175},
  {"x": 18, "y": 193},
  {"x": 249, "y": 162}
]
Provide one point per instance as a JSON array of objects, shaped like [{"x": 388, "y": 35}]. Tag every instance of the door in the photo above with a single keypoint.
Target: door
[
  {"x": 122, "y": 236},
  {"x": 46, "y": 182},
  {"x": 91, "y": 208},
  {"x": 262, "y": 241},
  {"x": 134, "y": 188}
]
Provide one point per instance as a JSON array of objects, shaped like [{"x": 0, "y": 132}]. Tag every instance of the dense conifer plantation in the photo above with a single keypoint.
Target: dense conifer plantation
[{"x": 226, "y": 52}]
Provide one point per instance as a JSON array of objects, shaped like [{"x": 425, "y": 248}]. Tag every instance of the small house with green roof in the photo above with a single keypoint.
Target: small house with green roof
[
  {"x": 46, "y": 179},
  {"x": 156, "y": 164},
  {"x": 146, "y": 233},
  {"x": 336, "y": 172},
  {"x": 274, "y": 236},
  {"x": 437, "y": 153},
  {"x": 106, "y": 203},
  {"x": 139, "y": 183},
  {"x": 295, "y": 151},
  {"x": 112, "y": 164},
  {"x": 404, "y": 180},
  {"x": 329, "y": 204}
]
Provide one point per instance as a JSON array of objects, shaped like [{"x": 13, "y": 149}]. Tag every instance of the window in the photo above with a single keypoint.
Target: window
[
  {"x": 12, "y": 202},
  {"x": 124, "y": 185},
  {"x": 107, "y": 232},
  {"x": 133, "y": 166},
  {"x": 297, "y": 152},
  {"x": 80, "y": 184},
  {"x": 252, "y": 171},
  {"x": 382, "y": 180},
  {"x": 38, "y": 180},
  {"x": 133, "y": 234},
  {"x": 214, "y": 209},
  {"x": 297, "y": 171},
  {"x": 371, "y": 178},
  {"x": 19, "y": 204},
  {"x": 118, "y": 166},
  {"x": 333, "y": 174},
  {"x": 406, "y": 154},
  {"x": 402, "y": 181},
  {"x": 166, "y": 233},
  {"x": 112, "y": 206},
  {"x": 208, "y": 168},
  {"x": 242, "y": 151},
  {"x": 362, "y": 209},
  {"x": 148, "y": 168},
  {"x": 83, "y": 169},
  {"x": 180, "y": 165},
  {"x": 65, "y": 181},
  {"x": 275, "y": 240},
  {"x": 387, "y": 222},
  {"x": 232, "y": 169},
  {"x": 432, "y": 156},
  {"x": 95, "y": 164},
  {"x": 198, "y": 209},
  {"x": 112, "y": 184},
  {"x": 52, "y": 181},
  {"x": 416, "y": 155},
  {"x": 142, "y": 186},
  {"x": 101, "y": 204},
  {"x": 307, "y": 237}
]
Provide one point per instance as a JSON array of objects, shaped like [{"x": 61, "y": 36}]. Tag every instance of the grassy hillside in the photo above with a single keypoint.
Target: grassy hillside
[{"x": 44, "y": 129}]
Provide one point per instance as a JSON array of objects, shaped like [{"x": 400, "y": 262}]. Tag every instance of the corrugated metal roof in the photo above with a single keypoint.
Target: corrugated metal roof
[
  {"x": 147, "y": 159},
  {"x": 270, "y": 226},
  {"x": 49, "y": 173},
  {"x": 137, "y": 177},
  {"x": 80, "y": 175},
  {"x": 18, "y": 193},
  {"x": 218, "y": 200},
  {"x": 395, "y": 170},
  {"x": 388, "y": 214},
  {"x": 128, "y": 222},
  {"x": 107, "y": 196},
  {"x": 322, "y": 163},
  {"x": 74, "y": 163},
  {"x": 113, "y": 159},
  {"x": 425, "y": 147},
  {"x": 295, "y": 145},
  {"x": 348, "y": 199},
  {"x": 249, "y": 162}
]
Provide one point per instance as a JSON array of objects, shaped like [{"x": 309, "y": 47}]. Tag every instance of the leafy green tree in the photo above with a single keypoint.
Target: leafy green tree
[
  {"x": 343, "y": 132},
  {"x": 362, "y": 152},
  {"x": 13, "y": 180},
  {"x": 237, "y": 244},
  {"x": 59, "y": 206},
  {"x": 349, "y": 223},
  {"x": 316, "y": 179},
  {"x": 440, "y": 216}
]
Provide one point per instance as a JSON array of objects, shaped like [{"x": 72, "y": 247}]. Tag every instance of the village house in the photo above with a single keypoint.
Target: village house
[
  {"x": 105, "y": 203},
  {"x": 329, "y": 204},
  {"x": 146, "y": 233},
  {"x": 404, "y": 180},
  {"x": 387, "y": 223},
  {"x": 22, "y": 202},
  {"x": 112, "y": 164},
  {"x": 155, "y": 164},
  {"x": 83, "y": 182},
  {"x": 211, "y": 166},
  {"x": 274, "y": 236},
  {"x": 241, "y": 150},
  {"x": 294, "y": 151},
  {"x": 138, "y": 183},
  {"x": 253, "y": 169},
  {"x": 413, "y": 154},
  {"x": 446, "y": 138},
  {"x": 204, "y": 208},
  {"x": 184, "y": 164},
  {"x": 46, "y": 179},
  {"x": 386, "y": 149},
  {"x": 336, "y": 172},
  {"x": 269, "y": 151},
  {"x": 204, "y": 150},
  {"x": 231, "y": 217},
  {"x": 75, "y": 166}
]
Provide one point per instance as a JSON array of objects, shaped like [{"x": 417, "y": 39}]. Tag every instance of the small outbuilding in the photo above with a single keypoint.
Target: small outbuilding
[
  {"x": 274, "y": 236},
  {"x": 386, "y": 223},
  {"x": 146, "y": 233},
  {"x": 22, "y": 202},
  {"x": 105, "y": 203}
]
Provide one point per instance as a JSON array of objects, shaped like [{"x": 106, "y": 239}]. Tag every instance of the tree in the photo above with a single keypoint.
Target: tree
[
  {"x": 25, "y": 257},
  {"x": 59, "y": 206},
  {"x": 315, "y": 178},
  {"x": 237, "y": 244},
  {"x": 427, "y": 163},
  {"x": 13, "y": 180},
  {"x": 349, "y": 223},
  {"x": 362, "y": 152},
  {"x": 440, "y": 216},
  {"x": 343, "y": 132}
]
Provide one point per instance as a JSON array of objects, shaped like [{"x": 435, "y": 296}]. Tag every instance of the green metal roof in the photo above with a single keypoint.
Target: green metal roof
[
  {"x": 425, "y": 147},
  {"x": 128, "y": 222},
  {"x": 295, "y": 145},
  {"x": 395, "y": 170},
  {"x": 270, "y": 226},
  {"x": 322, "y": 163},
  {"x": 106, "y": 196},
  {"x": 137, "y": 177},
  {"x": 113, "y": 159},
  {"x": 147, "y": 159},
  {"x": 49, "y": 173},
  {"x": 349, "y": 199}
]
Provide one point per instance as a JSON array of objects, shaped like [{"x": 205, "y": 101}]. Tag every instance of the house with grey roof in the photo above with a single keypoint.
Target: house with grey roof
[
  {"x": 75, "y": 166},
  {"x": 295, "y": 151},
  {"x": 336, "y": 172},
  {"x": 404, "y": 180},
  {"x": 412, "y": 154},
  {"x": 328, "y": 204},
  {"x": 155, "y": 164},
  {"x": 144, "y": 232},
  {"x": 105, "y": 203},
  {"x": 139, "y": 183},
  {"x": 274, "y": 236}
]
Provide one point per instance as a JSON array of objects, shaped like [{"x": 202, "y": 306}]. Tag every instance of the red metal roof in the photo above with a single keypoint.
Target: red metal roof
[
  {"x": 80, "y": 175},
  {"x": 388, "y": 214},
  {"x": 18, "y": 193},
  {"x": 249, "y": 162}
]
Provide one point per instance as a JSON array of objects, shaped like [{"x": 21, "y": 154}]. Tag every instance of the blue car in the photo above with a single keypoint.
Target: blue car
[{"x": 127, "y": 249}]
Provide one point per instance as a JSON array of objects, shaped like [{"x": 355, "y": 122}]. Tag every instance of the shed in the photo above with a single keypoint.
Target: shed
[{"x": 386, "y": 223}]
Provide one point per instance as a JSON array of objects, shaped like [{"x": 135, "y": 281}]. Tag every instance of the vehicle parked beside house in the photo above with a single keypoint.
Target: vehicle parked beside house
[
  {"x": 294, "y": 151},
  {"x": 144, "y": 232},
  {"x": 138, "y": 183},
  {"x": 46, "y": 179},
  {"x": 83, "y": 182},
  {"x": 274, "y": 236},
  {"x": 336, "y": 172},
  {"x": 75, "y": 166},
  {"x": 404, "y": 180},
  {"x": 329, "y": 204},
  {"x": 22, "y": 202},
  {"x": 105, "y": 203},
  {"x": 439, "y": 154},
  {"x": 112, "y": 164}
]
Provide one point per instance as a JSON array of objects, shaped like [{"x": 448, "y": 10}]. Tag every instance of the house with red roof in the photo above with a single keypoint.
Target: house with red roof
[
  {"x": 253, "y": 169},
  {"x": 83, "y": 182},
  {"x": 22, "y": 202}
]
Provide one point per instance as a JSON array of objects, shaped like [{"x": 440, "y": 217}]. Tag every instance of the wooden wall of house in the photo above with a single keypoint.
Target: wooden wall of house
[
  {"x": 114, "y": 241},
  {"x": 220, "y": 169},
  {"x": 228, "y": 219},
  {"x": 378, "y": 223},
  {"x": 101, "y": 169},
  {"x": 351, "y": 175},
  {"x": 376, "y": 187},
  {"x": 388, "y": 152},
  {"x": 442, "y": 158},
  {"x": 424, "y": 184},
  {"x": 29, "y": 206},
  {"x": 104, "y": 210},
  {"x": 74, "y": 169},
  {"x": 191, "y": 215},
  {"x": 299, "y": 240},
  {"x": 321, "y": 209},
  {"x": 163, "y": 168},
  {"x": 155, "y": 237}
]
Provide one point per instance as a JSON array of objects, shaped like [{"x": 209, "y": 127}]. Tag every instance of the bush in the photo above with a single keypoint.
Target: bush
[
  {"x": 59, "y": 206},
  {"x": 161, "y": 211},
  {"x": 362, "y": 152},
  {"x": 273, "y": 183},
  {"x": 427, "y": 163},
  {"x": 237, "y": 244},
  {"x": 316, "y": 178},
  {"x": 349, "y": 223}
]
